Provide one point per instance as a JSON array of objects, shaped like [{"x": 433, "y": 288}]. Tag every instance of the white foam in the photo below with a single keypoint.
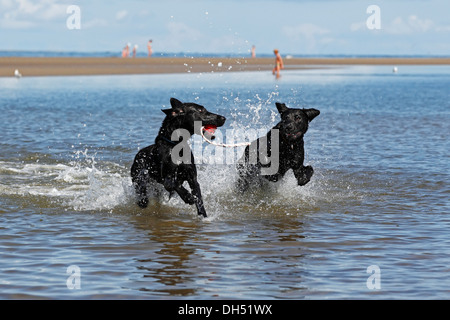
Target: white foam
[
  {"x": 78, "y": 184},
  {"x": 102, "y": 186}
]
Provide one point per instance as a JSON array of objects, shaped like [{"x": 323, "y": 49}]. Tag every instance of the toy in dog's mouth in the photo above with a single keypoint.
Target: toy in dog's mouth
[{"x": 209, "y": 130}]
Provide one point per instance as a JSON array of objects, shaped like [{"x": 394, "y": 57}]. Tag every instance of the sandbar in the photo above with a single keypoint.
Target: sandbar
[{"x": 73, "y": 66}]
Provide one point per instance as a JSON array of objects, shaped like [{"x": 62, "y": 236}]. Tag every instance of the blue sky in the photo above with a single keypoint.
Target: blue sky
[{"x": 408, "y": 27}]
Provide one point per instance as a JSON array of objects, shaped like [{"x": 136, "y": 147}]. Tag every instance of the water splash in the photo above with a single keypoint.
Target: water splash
[
  {"x": 102, "y": 186},
  {"x": 88, "y": 183}
]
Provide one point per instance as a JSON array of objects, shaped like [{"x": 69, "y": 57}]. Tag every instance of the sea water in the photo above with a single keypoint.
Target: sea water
[{"x": 372, "y": 223}]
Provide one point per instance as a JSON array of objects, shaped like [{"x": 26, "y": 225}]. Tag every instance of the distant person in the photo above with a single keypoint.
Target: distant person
[
  {"x": 126, "y": 51},
  {"x": 149, "y": 48},
  {"x": 134, "y": 50},
  {"x": 253, "y": 51},
  {"x": 278, "y": 63}
]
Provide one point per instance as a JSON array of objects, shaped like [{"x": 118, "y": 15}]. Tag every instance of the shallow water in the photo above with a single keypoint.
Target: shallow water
[{"x": 379, "y": 195}]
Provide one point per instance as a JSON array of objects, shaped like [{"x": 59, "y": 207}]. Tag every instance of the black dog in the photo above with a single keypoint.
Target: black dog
[
  {"x": 155, "y": 162},
  {"x": 285, "y": 152}
]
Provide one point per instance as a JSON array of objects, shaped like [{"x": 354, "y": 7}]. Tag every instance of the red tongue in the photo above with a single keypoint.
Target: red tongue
[{"x": 210, "y": 129}]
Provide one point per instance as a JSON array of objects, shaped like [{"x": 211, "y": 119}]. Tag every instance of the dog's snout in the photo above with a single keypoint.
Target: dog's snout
[{"x": 220, "y": 120}]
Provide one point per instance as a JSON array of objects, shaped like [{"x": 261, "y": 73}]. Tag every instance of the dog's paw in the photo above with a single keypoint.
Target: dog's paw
[
  {"x": 143, "y": 202},
  {"x": 190, "y": 199},
  {"x": 202, "y": 212},
  {"x": 304, "y": 175}
]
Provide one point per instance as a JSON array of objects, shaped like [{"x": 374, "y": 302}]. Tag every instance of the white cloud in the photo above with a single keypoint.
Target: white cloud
[
  {"x": 28, "y": 7},
  {"x": 6, "y": 23},
  {"x": 401, "y": 26},
  {"x": 306, "y": 30},
  {"x": 6, "y": 4},
  {"x": 443, "y": 29},
  {"x": 121, "y": 15},
  {"x": 227, "y": 43},
  {"x": 183, "y": 31},
  {"x": 54, "y": 11},
  {"x": 23, "y": 14},
  {"x": 421, "y": 25},
  {"x": 413, "y": 24},
  {"x": 180, "y": 37},
  {"x": 307, "y": 34},
  {"x": 398, "y": 26},
  {"x": 356, "y": 26},
  {"x": 95, "y": 23}
]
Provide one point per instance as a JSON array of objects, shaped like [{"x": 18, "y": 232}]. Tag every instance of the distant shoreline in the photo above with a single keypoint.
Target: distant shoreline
[{"x": 72, "y": 66}]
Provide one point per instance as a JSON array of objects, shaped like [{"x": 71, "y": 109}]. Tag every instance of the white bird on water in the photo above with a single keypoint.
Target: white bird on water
[{"x": 17, "y": 74}]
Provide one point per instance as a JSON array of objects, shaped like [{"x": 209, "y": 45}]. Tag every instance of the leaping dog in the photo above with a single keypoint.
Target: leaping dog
[
  {"x": 290, "y": 150},
  {"x": 155, "y": 162}
]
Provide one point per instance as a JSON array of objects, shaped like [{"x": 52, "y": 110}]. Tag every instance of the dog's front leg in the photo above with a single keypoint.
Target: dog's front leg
[
  {"x": 190, "y": 198},
  {"x": 303, "y": 174},
  {"x": 198, "y": 200},
  {"x": 140, "y": 181},
  {"x": 185, "y": 195},
  {"x": 171, "y": 185}
]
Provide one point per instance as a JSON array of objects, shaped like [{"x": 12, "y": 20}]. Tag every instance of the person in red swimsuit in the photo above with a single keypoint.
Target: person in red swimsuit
[{"x": 278, "y": 63}]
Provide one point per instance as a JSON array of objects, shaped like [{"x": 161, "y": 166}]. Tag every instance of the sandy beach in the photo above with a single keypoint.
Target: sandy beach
[{"x": 63, "y": 66}]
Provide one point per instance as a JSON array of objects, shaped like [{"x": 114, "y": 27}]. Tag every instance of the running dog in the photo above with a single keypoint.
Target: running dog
[
  {"x": 289, "y": 151},
  {"x": 155, "y": 163}
]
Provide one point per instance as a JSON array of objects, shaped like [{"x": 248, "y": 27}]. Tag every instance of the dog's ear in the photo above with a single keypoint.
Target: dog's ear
[
  {"x": 173, "y": 112},
  {"x": 281, "y": 107},
  {"x": 176, "y": 103},
  {"x": 177, "y": 107},
  {"x": 311, "y": 113}
]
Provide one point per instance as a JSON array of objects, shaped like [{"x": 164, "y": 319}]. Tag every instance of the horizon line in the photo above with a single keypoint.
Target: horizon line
[{"x": 109, "y": 53}]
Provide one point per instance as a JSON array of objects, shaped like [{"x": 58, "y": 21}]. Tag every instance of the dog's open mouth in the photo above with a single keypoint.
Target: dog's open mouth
[{"x": 209, "y": 130}]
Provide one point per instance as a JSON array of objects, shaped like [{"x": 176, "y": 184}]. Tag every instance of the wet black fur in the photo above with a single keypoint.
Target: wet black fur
[
  {"x": 292, "y": 127},
  {"x": 154, "y": 163}
]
